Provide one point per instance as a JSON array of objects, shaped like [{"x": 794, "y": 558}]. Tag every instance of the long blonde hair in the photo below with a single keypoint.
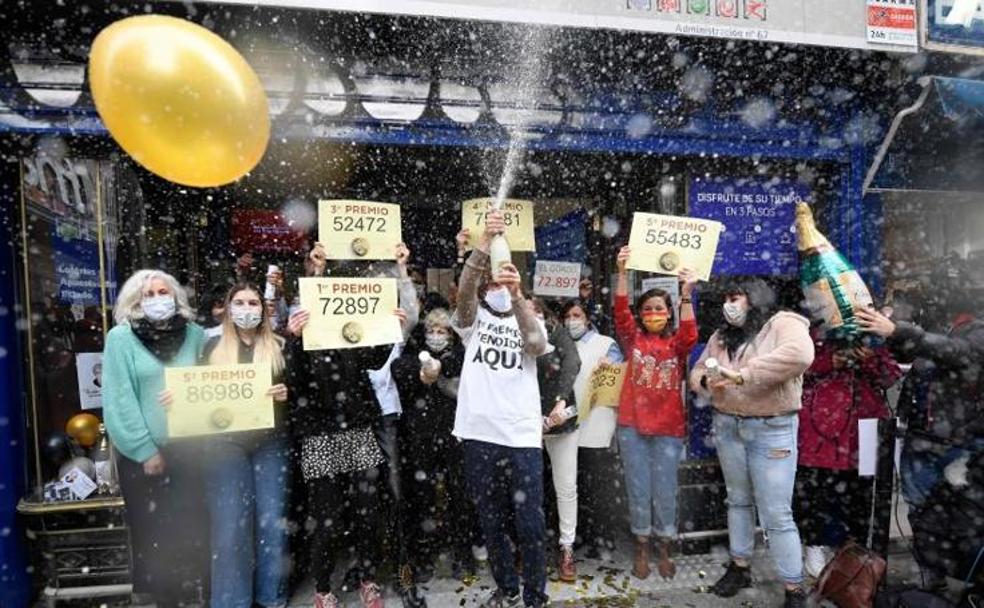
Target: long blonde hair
[{"x": 267, "y": 346}]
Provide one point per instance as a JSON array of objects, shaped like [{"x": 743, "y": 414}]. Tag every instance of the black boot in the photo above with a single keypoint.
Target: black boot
[
  {"x": 795, "y": 598},
  {"x": 408, "y": 589},
  {"x": 734, "y": 580}
]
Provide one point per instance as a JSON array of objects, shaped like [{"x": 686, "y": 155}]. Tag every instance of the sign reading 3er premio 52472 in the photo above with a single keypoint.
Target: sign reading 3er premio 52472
[
  {"x": 219, "y": 399},
  {"x": 516, "y": 214},
  {"x": 359, "y": 230},
  {"x": 349, "y": 313},
  {"x": 666, "y": 244}
]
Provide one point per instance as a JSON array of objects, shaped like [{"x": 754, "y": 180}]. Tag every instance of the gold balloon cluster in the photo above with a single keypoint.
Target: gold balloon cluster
[{"x": 179, "y": 99}]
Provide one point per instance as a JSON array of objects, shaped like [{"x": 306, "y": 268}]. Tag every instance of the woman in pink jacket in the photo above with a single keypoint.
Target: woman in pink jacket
[{"x": 761, "y": 356}]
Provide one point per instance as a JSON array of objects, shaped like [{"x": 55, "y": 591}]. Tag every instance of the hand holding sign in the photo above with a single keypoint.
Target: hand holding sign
[{"x": 665, "y": 244}]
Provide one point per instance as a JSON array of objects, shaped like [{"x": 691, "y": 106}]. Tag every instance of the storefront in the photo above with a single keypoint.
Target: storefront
[{"x": 417, "y": 111}]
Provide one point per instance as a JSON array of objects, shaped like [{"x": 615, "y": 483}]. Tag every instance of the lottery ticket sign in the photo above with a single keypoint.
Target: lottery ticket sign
[
  {"x": 516, "y": 214},
  {"x": 556, "y": 279},
  {"x": 349, "y": 313},
  {"x": 603, "y": 390},
  {"x": 359, "y": 230},
  {"x": 666, "y": 244},
  {"x": 219, "y": 399}
]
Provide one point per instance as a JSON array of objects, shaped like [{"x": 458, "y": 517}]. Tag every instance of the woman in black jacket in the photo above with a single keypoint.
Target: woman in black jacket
[
  {"x": 429, "y": 394},
  {"x": 331, "y": 419},
  {"x": 556, "y": 371}
]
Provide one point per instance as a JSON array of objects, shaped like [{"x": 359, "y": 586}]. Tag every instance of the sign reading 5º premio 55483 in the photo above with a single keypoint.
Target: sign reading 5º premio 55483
[
  {"x": 666, "y": 244},
  {"x": 219, "y": 399},
  {"x": 359, "y": 230},
  {"x": 349, "y": 313}
]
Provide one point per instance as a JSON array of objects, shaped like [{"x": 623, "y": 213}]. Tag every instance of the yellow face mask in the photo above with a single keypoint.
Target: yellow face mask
[{"x": 655, "y": 322}]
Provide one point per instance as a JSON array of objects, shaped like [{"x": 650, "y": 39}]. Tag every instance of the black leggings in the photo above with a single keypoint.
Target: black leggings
[
  {"x": 351, "y": 498},
  {"x": 831, "y": 506}
]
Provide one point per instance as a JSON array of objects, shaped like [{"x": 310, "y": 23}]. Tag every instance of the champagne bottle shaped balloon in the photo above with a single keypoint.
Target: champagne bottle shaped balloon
[{"x": 832, "y": 288}]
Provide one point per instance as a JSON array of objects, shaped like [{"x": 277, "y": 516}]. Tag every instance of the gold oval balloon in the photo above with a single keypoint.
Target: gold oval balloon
[
  {"x": 179, "y": 99},
  {"x": 84, "y": 429}
]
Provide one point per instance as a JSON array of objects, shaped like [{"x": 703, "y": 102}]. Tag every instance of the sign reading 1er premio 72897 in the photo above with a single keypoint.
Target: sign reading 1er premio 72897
[
  {"x": 219, "y": 399},
  {"x": 667, "y": 244},
  {"x": 349, "y": 313},
  {"x": 556, "y": 279},
  {"x": 359, "y": 230}
]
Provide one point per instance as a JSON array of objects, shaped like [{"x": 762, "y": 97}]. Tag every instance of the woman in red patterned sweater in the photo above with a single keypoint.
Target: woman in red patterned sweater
[{"x": 651, "y": 418}]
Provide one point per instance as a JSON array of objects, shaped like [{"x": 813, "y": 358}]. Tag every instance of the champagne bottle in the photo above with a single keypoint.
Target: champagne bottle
[
  {"x": 499, "y": 254},
  {"x": 833, "y": 289},
  {"x": 103, "y": 458}
]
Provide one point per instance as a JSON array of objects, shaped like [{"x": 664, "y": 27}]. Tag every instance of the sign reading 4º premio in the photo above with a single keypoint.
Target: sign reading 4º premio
[
  {"x": 517, "y": 215},
  {"x": 219, "y": 399},
  {"x": 349, "y": 313},
  {"x": 359, "y": 230},
  {"x": 666, "y": 244}
]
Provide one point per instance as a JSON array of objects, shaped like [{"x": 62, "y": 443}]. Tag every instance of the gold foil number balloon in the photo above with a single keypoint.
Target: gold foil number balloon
[
  {"x": 179, "y": 99},
  {"x": 84, "y": 429}
]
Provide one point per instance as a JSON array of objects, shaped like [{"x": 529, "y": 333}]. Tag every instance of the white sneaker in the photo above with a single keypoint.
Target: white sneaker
[
  {"x": 814, "y": 560},
  {"x": 480, "y": 553}
]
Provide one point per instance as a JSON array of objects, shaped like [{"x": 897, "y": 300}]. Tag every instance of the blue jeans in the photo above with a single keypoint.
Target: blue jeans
[
  {"x": 507, "y": 487},
  {"x": 922, "y": 463},
  {"x": 758, "y": 458},
  {"x": 651, "y": 464},
  {"x": 246, "y": 485}
]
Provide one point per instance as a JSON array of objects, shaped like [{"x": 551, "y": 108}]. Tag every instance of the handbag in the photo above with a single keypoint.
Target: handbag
[{"x": 851, "y": 579}]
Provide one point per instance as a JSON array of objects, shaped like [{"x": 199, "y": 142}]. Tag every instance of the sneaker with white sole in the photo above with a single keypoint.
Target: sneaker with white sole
[
  {"x": 814, "y": 560},
  {"x": 325, "y": 600},
  {"x": 371, "y": 595}
]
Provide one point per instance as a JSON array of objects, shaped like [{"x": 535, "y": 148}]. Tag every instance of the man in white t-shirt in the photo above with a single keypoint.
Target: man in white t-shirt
[{"x": 499, "y": 421}]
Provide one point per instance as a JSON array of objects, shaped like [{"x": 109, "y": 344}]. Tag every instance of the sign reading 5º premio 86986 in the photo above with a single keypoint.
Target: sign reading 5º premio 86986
[
  {"x": 219, "y": 399},
  {"x": 359, "y": 230},
  {"x": 349, "y": 313},
  {"x": 666, "y": 244}
]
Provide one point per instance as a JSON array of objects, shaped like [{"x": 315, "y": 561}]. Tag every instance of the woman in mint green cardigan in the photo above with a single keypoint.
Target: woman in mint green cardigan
[{"x": 160, "y": 482}]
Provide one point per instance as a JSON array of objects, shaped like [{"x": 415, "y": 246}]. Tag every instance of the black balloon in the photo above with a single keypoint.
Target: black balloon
[{"x": 57, "y": 449}]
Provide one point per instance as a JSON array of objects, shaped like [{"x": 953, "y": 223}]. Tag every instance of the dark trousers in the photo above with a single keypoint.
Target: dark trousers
[
  {"x": 602, "y": 508},
  {"x": 831, "y": 506},
  {"x": 334, "y": 501},
  {"x": 168, "y": 522},
  {"x": 506, "y": 482},
  {"x": 427, "y": 461},
  {"x": 388, "y": 436}
]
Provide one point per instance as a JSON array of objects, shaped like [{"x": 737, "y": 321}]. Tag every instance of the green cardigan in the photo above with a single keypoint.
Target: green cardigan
[{"x": 132, "y": 381}]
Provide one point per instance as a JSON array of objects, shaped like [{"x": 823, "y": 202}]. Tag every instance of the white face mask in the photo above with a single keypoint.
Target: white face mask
[
  {"x": 736, "y": 313},
  {"x": 499, "y": 300},
  {"x": 437, "y": 342},
  {"x": 245, "y": 317},
  {"x": 158, "y": 308},
  {"x": 576, "y": 327}
]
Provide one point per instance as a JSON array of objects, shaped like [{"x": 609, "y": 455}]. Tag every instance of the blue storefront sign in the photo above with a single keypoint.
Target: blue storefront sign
[
  {"x": 77, "y": 270},
  {"x": 954, "y": 23},
  {"x": 758, "y": 216},
  {"x": 563, "y": 239}
]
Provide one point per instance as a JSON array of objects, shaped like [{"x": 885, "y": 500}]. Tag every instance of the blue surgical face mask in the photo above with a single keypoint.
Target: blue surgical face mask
[
  {"x": 245, "y": 317},
  {"x": 735, "y": 313},
  {"x": 437, "y": 342},
  {"x": 499, "y": 300},
  {"x": 158, "y": 308}
]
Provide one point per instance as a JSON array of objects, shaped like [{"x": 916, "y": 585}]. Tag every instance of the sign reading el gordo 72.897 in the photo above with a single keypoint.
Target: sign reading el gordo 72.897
[
  {"x": 667, "y": 244},
  {"x": 557, "y": 279}
]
